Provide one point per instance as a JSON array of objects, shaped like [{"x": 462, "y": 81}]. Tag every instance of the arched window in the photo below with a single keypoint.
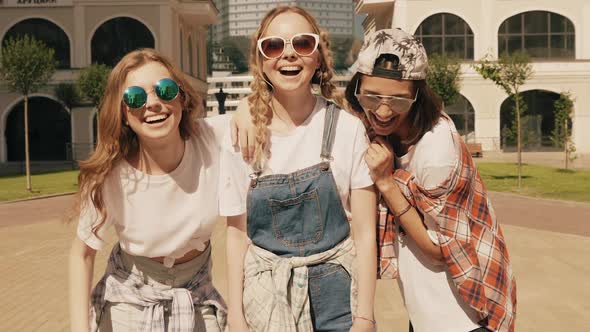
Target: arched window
[
  {"x": 46, "y": 31},
  {"x": 117, "y": 37},
  {"x": 446, "y": 34},
  {"x": 541, "y": 34}
]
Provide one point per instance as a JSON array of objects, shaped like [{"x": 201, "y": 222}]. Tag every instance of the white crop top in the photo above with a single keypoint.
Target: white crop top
[{"x": 163, "y": 215}]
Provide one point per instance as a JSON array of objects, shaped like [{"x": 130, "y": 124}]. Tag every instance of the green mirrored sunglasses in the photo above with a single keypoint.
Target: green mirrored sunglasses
[{"x": 136, "y": 97}]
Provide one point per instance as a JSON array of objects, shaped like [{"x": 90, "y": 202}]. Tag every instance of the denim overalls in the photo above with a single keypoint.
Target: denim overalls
[{"x": 301, "y": 214}]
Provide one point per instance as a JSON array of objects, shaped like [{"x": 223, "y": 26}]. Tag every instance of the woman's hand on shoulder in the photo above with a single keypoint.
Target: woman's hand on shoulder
[{"x": 243, "y": 132}]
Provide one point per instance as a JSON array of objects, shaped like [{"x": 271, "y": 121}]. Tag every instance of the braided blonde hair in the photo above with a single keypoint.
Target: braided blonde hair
[{"x": 259, "y": 100}]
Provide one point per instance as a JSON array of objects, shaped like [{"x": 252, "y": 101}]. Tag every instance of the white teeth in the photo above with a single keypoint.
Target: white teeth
[
  {"x": 291, "y": 68},
  {"x": 156, "y": 118}
]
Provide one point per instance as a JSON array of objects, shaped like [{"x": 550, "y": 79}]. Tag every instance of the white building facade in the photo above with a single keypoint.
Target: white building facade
[
  {"x": 555, "y": 34},
  {"x": 90, "y": 31}
]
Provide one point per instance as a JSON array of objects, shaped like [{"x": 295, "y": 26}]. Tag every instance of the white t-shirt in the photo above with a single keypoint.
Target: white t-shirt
[
  {"x": 432, "y": 303},
  {"x": 296, "y": 150},
  {"x": 163, "y": 215}
]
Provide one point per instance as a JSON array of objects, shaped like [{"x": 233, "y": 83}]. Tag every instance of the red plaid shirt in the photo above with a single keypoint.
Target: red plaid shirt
[{"x": 471, "y": 240}]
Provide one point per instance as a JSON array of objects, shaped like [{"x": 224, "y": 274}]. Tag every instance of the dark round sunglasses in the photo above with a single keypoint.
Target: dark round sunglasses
[{"x": 136, "y": 97}]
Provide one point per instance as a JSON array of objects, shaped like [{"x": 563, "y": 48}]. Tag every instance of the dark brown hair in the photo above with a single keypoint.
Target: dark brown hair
[{"x": 423, "y": 116}]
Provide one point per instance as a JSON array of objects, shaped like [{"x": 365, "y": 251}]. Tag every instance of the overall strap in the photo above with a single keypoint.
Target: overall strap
[{"x": 329, "y": 131}]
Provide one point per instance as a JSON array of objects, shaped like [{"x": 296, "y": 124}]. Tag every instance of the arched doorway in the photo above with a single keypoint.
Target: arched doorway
[
  {"x": 117, "y": 37},
  {"x": 46, "y": 31},
  {"x": 50, "y": 130},
  {"x": 537, "y": 121},
  {"x": 463, "y": 115}
]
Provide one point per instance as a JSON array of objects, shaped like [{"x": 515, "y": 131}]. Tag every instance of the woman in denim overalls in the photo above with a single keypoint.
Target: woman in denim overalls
[{"x": 293, "y": 265}]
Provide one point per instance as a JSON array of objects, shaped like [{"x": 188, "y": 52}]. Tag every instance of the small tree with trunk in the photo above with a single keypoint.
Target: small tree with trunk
[
  {"x": 26, "y": 65},
  {"x": 92, "y": 83},
  {"x": 510, "y": 73},
  {"x": 444, "y": 77},
  {"x": 562, "y": 135},
  {"x": 68, "y": 94}
]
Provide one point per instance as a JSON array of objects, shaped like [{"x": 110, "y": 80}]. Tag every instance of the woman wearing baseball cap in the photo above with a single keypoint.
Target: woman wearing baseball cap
[{"x": 438, "y": 233}]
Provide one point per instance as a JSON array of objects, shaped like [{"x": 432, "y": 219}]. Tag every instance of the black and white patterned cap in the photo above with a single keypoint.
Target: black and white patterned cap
[{"x": 413, "y": 62}]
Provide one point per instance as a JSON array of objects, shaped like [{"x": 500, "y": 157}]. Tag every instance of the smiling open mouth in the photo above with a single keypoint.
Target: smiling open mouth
[
  {"x": 382, "y": 123},
  {"x": 156, "y": 118},
  {"x": 290, "y": 70}
]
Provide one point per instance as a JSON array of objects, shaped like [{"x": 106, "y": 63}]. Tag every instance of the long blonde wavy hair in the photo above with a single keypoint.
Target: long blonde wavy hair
[
  {"x": 260, "y": 99},
  {"x": 116, "y": 140}
]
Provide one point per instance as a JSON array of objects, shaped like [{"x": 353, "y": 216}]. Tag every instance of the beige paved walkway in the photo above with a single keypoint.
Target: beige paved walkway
[{"x": 551, "y": 267}]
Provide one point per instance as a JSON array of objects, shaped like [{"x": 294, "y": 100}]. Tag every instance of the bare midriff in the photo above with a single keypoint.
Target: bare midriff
[{"x": 187, "y": 257}]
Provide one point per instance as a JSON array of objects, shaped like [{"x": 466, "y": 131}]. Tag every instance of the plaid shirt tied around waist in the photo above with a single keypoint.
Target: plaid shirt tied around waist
[
  {"x": 470, "y": 238},
  {"x": 119, "y": 285},
  {"x": 276, "y": 288}
]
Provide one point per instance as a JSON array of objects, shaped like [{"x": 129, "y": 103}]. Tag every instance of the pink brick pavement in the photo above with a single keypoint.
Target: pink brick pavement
[{"x": 549, "y": 243}]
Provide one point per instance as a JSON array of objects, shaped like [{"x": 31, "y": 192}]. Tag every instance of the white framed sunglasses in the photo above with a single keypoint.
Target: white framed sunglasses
[
  {"x": 370, "y": 102},
  {"x": 273, "y": 47}
]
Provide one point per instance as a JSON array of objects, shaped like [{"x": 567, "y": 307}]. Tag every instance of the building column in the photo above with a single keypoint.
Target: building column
[
  {"x": 583, "y": 45},
  {"x": 400, "y": 15},
  {"x": 81, "y": 41},
  {"x": 486, "y": 100},
  {"x": 484, "y": 34},
  {"x": 581, "y": 121},
  {"x": 82, "y": 132},
  {"x": 165, "y": 43}
]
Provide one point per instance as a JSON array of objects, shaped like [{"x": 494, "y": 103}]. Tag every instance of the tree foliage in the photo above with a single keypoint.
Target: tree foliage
[
  {"x": 510, "y": 73},
  {"x": 237, "y": 49},
  {"x": 444, "y": 77},
  {"x": 68, "y": 94},
  {"x": 26, "y": 64},
  {"x": 561, "y": 136},
  {"x": 92, "y": 82}
]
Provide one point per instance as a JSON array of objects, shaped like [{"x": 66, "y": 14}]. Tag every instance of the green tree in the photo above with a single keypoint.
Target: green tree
[
  {"x": 562, "y": 135},
  {"x": 510, "y": 73},
  {"x": 26, "y": 65},
  {"x": 93, "y": 81},
  {"x": 237, "y": 49},
  {"x": 68, "y": 94},
  {"x": 444, "y": 77},
  {"x": 341, "y": 47}
]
